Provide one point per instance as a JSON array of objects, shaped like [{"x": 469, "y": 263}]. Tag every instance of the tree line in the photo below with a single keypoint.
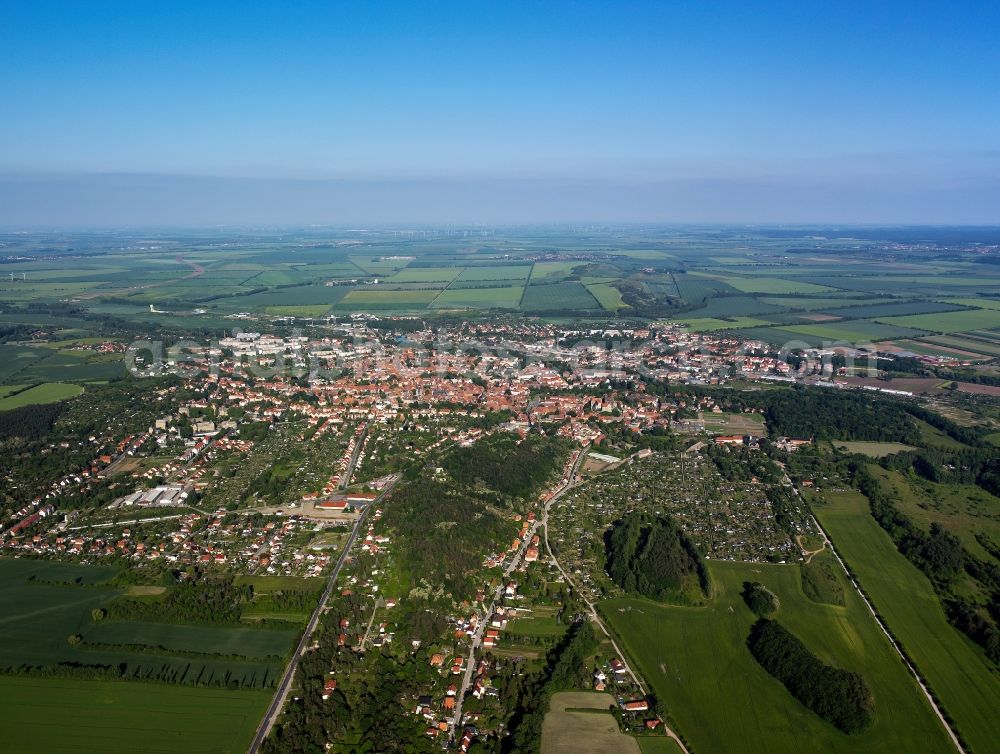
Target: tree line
[{"x": 840, "y": 697}]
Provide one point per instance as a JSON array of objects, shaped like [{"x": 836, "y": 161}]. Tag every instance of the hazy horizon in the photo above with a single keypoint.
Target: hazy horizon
[{"x": 121, "y": 114}]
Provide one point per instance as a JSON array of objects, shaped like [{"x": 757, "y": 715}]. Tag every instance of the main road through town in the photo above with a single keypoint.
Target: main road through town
[
  {"x": 278, "y": 702},
  {"x": 515, "y": 561}
]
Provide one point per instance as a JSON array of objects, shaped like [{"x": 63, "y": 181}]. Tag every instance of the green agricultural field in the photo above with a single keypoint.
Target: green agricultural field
[
  {"x": 372, "y": 298},
  {"x": 246, "y": 642},
  {"x": 45, "y": 714},
  {"x": 560, "y": 296},
  {"x": 607, "y": 296},
  {"x": 980, "y": 302},
  {"x": 299, "y": 295},
  {"x": 14, "y": 359},
  {"x": 551, "y": 272},
  {"x": 967, "y": 343},
  {"x": 297, "y": 311},
  {"x": 720, "y": 699},
  {"x": 6, "y": 390},
  {"x": 774, "y": 285},
  {"x": 711, "y": 325},
  {"x": 512, "y": 273},
  {"x": 695, "y": 289},
  {"x": 948, "y": 322},
  {"x": 956, "y": 670},
  {"x": 890, "y": 309},
  {"x": 424, "y": 275},
  {"x": 873, "y": 449},
  {"x": 45, "y": 603},
  {"x": 814, "y": 304},
  {"x": 927, "y": 349},
  {"x": 48, "y": 392},
  {"x": 854, "y": 331},
  {"x": 479, "y": 298},
  {"x": 735, "y": 306}
]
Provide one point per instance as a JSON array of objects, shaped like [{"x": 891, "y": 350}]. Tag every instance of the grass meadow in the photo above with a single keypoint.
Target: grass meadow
[
  {"x": 957, "y": 671},
  {"x": 720, "y": 699}
]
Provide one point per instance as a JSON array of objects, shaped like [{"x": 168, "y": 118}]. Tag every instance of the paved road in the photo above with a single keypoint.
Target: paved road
[
  {"x": 349, "y": 471},
  {"x": 278, "y": 702}
]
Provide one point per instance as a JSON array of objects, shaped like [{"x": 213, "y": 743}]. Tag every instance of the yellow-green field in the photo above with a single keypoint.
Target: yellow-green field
[{"x": 48, "y": 392}]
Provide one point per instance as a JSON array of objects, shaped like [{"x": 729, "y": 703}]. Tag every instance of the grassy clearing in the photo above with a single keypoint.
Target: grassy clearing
[
  {"x": 264, "y": 584},
  {"x": 963, "y": 509},
  {"x": 43, "y": 715},
  {"x": 734, "y": 424},
  {"x": 542, "y": 622},
  {"x": 721, "y": 700},
  {"x": 658, "y": 745},
  {"x": 874, "y": 449},
  {"x": 956, "y": 670},
  {"x": 569, "y": 731},
  {"x": 48, "y": 392},
  {"x": 933, "y": 437},
  {"x": 823, "y": 580}
]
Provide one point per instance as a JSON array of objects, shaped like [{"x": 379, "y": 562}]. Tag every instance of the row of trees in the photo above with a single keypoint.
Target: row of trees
[
  {"x": 838, "y": 696},
  {"x": 209, "y": 600},
  {"x": 565, "y": 669}
]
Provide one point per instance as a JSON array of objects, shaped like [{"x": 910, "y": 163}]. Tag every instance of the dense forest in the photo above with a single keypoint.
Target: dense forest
[
  {"x": 28, "y": 423},
  {"x": 838, "y": 415},
  {"x": 447, "y": 524},
  {"x": 512, "y": 467},
  {"x": 654, "y": 558},
  {"x": 838, "y": 696}
]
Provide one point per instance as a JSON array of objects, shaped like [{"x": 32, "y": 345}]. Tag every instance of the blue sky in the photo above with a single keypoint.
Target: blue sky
[{"x": 877, "y": 110}]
